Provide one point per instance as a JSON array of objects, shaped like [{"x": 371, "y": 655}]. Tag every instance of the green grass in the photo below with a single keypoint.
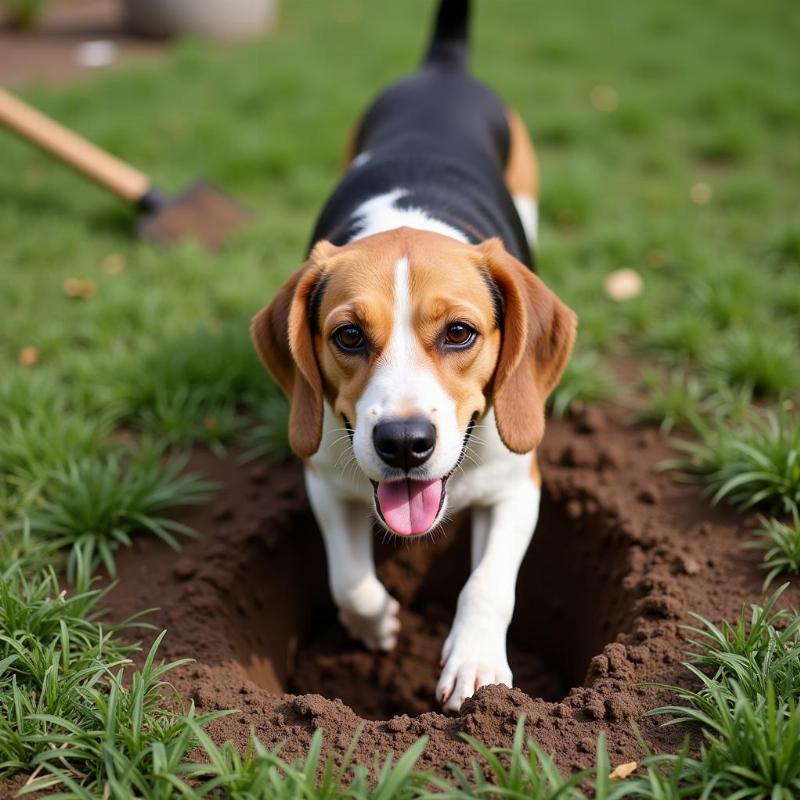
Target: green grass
[
  {"x": 195, "y": 388},
  {"x": 744, "y": 699},
  {"x": 91, "y": 507},
  {"x": 673, "y": 400},
  {"x": 70, "y": 481},
  {"x": 268, "y": 436},
  {"x": 263, "y": 773},
  {"x": 52, "y": 645},
  {"x": 780, "y": 543},
  {"x": 119, "y": 739},
  {"x": 750, "y": 463},
  {"x": 764, "y": 360},
  {"x": 586, "y": 381}
]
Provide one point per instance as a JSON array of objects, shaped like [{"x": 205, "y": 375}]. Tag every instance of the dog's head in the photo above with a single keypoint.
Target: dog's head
[{"x": 410, "y": 336}]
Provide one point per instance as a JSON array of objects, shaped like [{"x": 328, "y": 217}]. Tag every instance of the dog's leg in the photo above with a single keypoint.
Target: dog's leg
[
  {"x": 474, "y": 653},
  {"x": 366, "y": 609}
]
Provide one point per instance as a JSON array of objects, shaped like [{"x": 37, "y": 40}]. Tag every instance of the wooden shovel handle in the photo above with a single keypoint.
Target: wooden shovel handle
[{"x": 118, "y": 177}]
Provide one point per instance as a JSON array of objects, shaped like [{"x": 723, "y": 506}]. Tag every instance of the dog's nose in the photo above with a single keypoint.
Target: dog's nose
[{"x": 404, "y": 443}]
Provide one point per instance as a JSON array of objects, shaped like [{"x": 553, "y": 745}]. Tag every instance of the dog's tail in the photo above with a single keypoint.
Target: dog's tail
[{"x": 450, "y": 41}]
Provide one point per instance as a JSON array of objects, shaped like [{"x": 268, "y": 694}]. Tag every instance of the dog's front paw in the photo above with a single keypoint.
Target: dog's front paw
[
  {"x": 377, "y": 630},
  {"x": 469, "y": 663}
]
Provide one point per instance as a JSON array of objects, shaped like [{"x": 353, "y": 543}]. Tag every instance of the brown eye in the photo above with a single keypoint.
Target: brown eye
[
  {"x": 460, "y": 335},
  {"x": 349, "y": 339}
]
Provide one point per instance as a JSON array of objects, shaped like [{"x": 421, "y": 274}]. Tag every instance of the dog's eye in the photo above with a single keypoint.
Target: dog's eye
[
  {"x": 459, "y": 334},
  {"x": 349, "y": 338}
]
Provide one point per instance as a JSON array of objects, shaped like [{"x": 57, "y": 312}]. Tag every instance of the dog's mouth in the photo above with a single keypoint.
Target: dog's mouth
[{"x": 410, "y": 507}]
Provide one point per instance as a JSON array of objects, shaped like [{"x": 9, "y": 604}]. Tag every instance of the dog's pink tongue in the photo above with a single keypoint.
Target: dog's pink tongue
[{"x": 410, "y": 507}]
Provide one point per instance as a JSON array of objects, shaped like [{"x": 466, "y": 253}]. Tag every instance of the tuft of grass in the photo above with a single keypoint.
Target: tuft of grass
[
  {"x": 683, "y": 335},
  {"x": 27, "y": 553},
  {"x": 52, "y": 644},
  {"x": 513, "y": 772},
  {"x": 43, "y": 439},
  {"x": 781, "y": 545},
  {"x": 192, "y": 388},
  {"x": 745, "y": 701},
  {"x": 758, "y": 650},
  {"x": 673, "y": 400},
  {"x": 93, "y": 505},
  {"x": 263, "y": 773},
  {"x": 755, "y": 462},
  {"x": 585, "y": 381},
  {"x": 184, "y": 417},
  {"x": 765, "y": 360},
  {"x": 120, "y": 738},
  {"x": 269, "y": 436},
  {"x": 726, "y": 403}
]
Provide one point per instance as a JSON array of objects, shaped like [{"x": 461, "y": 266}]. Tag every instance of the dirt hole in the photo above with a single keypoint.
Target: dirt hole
[{"x": 570, "y": 603}]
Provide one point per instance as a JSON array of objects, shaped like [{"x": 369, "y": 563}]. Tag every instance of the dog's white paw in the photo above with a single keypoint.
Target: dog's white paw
[
  {"x": 469, "y": 663},
  {"x": 379, "y": 630}
]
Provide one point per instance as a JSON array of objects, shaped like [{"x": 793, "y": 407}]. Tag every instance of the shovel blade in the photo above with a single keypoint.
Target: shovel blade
[{"x": 203, "y": 214}]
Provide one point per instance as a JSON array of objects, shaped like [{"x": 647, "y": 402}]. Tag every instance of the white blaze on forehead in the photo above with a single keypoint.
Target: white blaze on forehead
[
  {"x": 404, "y": 384},
  {"x": 380, "y": 214},
  {"x": 401, "y": 342}
]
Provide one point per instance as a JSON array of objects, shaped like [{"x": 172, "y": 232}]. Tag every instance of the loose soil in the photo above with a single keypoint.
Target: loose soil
[{"x": 622, "y": 553}]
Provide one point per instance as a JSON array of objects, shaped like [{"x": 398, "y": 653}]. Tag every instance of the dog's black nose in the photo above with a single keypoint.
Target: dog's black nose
[{"x": 404, "y": 443}]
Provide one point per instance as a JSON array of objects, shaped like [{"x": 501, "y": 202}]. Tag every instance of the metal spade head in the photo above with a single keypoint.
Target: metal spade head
[{"x": 203, "y": 213}]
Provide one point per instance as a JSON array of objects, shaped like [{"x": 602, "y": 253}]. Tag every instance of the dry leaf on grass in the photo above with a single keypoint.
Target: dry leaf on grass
[
  {"x": 79, "y": 289},
  {"x": 623, "y": 771},
  {"x": 700, "y": 193},
  {"x": 623, "y": 284},
  {"x": 29, "y": 356},
  {"x": 113, "y": 264},
  {"x": 603, "y": 98}
]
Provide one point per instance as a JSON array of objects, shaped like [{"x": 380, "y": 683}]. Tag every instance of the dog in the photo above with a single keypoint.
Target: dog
[{"x": 417, "y": 348}]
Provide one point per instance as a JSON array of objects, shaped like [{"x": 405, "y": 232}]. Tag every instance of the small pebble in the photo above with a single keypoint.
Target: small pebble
[{"x": 97, "y": 53}]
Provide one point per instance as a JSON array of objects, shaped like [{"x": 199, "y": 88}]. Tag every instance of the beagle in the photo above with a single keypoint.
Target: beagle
[{"x": 418, "y": 348}]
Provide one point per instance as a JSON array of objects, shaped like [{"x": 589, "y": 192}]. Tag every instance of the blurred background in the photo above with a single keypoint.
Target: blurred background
[{"x": 668, "y": 136}]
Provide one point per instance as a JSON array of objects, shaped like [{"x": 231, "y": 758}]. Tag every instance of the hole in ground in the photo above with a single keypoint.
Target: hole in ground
[{"x": 570, "y": 604}]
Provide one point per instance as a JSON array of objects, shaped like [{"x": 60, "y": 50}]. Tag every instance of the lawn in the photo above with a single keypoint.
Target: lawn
[{"x": 669, "y": 141}]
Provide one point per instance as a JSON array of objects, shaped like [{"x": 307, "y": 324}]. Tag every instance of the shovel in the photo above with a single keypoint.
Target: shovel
[{"x": 202, "y": 212}]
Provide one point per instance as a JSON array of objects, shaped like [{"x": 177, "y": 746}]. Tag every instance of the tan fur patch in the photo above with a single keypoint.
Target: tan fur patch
[
  {"x": 350, "y": 145},
  {"x": 522, "y": 169},
  {"x": 536, "y": 473}
]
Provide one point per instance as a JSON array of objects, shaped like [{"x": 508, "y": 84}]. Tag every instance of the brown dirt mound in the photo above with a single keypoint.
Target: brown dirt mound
[{"x": 621, "y": 554}]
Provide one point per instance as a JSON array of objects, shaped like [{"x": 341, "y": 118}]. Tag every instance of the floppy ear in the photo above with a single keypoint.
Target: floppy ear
[
  {"x": 538, "y": 334},
  {"x": 284, "y": 340}
]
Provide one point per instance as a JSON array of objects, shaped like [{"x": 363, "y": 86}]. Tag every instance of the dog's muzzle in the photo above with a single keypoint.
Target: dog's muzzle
[{"x": 410, "y": 507}]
